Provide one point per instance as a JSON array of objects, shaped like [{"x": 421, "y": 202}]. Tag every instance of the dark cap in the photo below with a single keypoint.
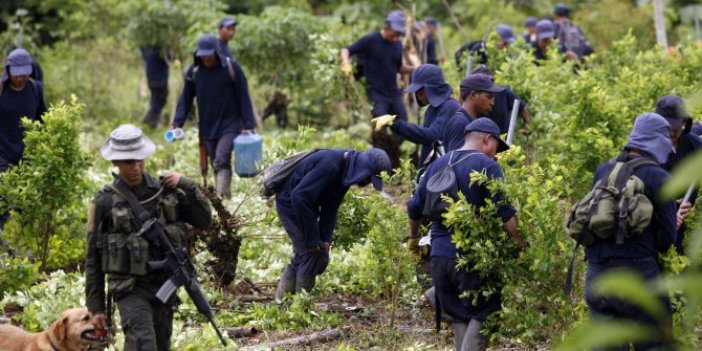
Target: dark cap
[
  {"x": 431, "y": 20},
  {"x": 228, "y": 21},
  {"x": 396, "y": 21},
  {"x": 505, "y": 33},
  {"x": 378, "y": 161},
  {"x": 545, "y": 29},
  {"x": 207, "y": 45},
  {"x": 483, "y": 69},
  {"x": 20, "y": 62},
  {"x": 426, "y": 74},
  {"x": 530, "y": 21},
  {"x": 561, "y": 10},
  {"x": 672, "y": 108},
  {"x": 486, "y": 125},
  {"x": 479, "y": 82}
]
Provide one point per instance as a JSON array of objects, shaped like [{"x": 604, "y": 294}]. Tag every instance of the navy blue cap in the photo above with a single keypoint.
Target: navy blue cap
[
  {"x": 545, "y": 29},
  {"x": 426, "y": 74},
  {"x": 530, "y": 21},
  {"x": 483, "y": 70},
  {"x": 431, "y": 20},
  {"x": 486, "y": 125},
  {"x": 378, "y": 162},
  {"x": 505, "y": 33},
  {"x": 672, "y": 108},
  {"x": 479, "y": 82},
  {"x": 562, "y": 9},
  {"x": 207, "y": 45},
  {"x": 396, "y": 21},
  {"x": 228, "y": 21}
]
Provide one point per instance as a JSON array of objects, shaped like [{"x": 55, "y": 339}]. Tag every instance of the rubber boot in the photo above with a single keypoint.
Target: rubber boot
[
  {"x": 223, "y": 181},
  {"x": 430, "y": 295},
  {"x": 472, "y": 340},
  {"x": 286, "y": 283},
  {"x": 459, "y": 332},
  {"x": 304, "y": 283}
]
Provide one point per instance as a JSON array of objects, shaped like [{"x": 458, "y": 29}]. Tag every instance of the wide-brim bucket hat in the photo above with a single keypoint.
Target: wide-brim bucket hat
[{"x": 127, "y": 142}]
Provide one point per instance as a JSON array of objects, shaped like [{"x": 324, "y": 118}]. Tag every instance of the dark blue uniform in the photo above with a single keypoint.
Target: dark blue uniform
[
  {"x": 382, "y": 62},
  {"x": 307, "y": 206},
  {"x": 431, "y": 50},
  {"x": 449, "y": 281},
  {"x": 454, "y": 132},
  {"x": 502, "y": 109},
  {"x": 157, "y": 79},
  {"x": 431, "y": 131},
  {"x": 696, "y": 129},
  {"x": 224, "y": 107},
  {"x": 638, "y": 254},
  {"x": 13, "y": 106},
  {"x": 224, "y": 49}
]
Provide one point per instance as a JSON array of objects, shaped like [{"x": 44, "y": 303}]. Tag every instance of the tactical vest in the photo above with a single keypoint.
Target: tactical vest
[{"x": 125, "y": 254}]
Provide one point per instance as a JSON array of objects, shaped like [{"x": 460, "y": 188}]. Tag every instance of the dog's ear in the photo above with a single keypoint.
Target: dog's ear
[{"x": 59, "y": 329}]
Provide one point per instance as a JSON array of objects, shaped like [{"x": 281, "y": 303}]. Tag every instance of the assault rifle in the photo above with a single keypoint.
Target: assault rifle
[{"x": 182, "y": 270}]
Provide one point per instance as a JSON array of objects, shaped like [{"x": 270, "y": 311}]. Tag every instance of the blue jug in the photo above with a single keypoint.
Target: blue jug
[{"x": 248, "y": 154}]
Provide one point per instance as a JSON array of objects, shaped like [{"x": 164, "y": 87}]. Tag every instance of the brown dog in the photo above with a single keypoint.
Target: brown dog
[{"x": 73, "y": 331}]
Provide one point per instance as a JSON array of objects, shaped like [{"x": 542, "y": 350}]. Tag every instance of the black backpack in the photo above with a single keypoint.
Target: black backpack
[
  {"x": 441, "y": 183},
  {"x": 277, "y": 173}
]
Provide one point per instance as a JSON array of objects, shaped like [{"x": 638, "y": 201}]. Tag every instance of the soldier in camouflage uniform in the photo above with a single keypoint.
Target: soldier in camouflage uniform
[{"x": 116, "y": 251}]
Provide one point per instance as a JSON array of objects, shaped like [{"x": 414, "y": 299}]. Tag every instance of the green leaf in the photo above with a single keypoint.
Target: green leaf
[
  {"x": 627, "y": 285},
  {"x": 601, "y": 334},
  {"x": 684, "y": 174}
]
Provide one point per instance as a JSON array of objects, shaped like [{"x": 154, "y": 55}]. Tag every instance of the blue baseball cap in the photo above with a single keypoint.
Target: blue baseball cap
[
  {"x": 486, "y": 125},
  {"x": 505, "y": 33},
  {"x": 396, "y": 21},
  {"x": 672, "y": 108},
  {"x": 20, "y": 62},
  {"x": 530, "y": 21},
  {"x": 207, "y": 45},
  {"x": 479, "y": 82},
  {"x": 228, "y": 21},
  {"x": 545, "y": 29}
]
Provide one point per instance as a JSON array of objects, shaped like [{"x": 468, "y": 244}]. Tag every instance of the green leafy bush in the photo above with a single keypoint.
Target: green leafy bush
[{"x": 16, "y": 274}]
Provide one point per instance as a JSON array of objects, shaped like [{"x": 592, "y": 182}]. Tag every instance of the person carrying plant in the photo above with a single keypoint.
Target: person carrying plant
[
  {"x": 482, "y": 142},
  {"x": 308, "y": 203},
  {"x": 223, "y": 102},
  {"x": 157, "y": 80},
  {"x": 477, "y": 100},
  {"x": 226, "y": 31},
  {"x": 632, "y": 243},
  {"x": 382, "y": 52},
  {"x": 20, "y": 96},
  {"x": 685, "y": 143},
  {"x": 430, "y": 89},
  {"x": 119, "y": 251}
]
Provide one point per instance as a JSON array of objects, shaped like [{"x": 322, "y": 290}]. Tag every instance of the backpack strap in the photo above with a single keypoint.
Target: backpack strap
[
  {"x": 620, "y": 183},
  {"x": 230, "y": 68}
]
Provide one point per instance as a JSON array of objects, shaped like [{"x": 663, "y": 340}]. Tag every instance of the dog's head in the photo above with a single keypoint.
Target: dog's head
[{"x": 75, "y": 331}]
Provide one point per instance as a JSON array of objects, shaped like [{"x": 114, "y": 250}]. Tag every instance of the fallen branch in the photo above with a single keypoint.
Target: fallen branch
[
  {"x": 241, "y": 332},
  {"x": 322, "y": 336}
]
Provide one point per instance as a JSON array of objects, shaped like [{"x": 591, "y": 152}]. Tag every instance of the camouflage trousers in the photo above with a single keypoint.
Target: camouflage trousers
[{"x": 147, "y": 323}]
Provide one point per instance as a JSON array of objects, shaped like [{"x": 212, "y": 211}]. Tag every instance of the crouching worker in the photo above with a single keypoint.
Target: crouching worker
[
  {"x": 308, "y": 203},
  {"x": 482, "y": 143},
  {"x": 117, "y": 249}
]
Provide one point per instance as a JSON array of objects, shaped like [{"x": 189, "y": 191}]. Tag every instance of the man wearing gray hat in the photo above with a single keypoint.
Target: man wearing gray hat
[
  {"x": 223, "y": 103},
  {"x": 118, "y": 255}
]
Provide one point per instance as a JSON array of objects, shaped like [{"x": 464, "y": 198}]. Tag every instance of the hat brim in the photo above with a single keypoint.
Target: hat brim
[
  {"x": 141, "y": 153},
  {"x": 397, "y": 28},
  {"x": 495, "y": 89},
  {"x": 24, "y": 70},
  {"x": 414, "y": 87},
  {"x": 228, "y": 23},
  {"x": 545, "y": 35},
  {"x": 205, "y": 52},
  {"x": 501, "y": 145},
  {"x": 377, "y": 182}
]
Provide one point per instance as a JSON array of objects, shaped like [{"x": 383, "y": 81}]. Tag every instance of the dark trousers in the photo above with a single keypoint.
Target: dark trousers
[
  {"x": 147, "y": 323},
  {"x": 220, "y": 151},
  {"x": 451, "y": 282},
  {"x": 159, "y": 96},
  {"x": 607, "y": 308},
  {"x": 307, "y": 264}
]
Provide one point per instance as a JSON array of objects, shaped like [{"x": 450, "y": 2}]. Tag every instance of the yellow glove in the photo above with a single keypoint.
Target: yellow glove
[
  {"x": 413, "y": 247},
  {"x": 346, "y": 69},
  {"x": 381, "y": 122}
]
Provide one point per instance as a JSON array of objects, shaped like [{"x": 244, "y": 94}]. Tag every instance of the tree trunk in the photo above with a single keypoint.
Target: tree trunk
[{"x": 659, "y": 21}]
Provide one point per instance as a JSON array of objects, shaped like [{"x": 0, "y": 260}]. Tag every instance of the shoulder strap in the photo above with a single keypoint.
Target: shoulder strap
[
  {"x": 192, "y": 76},
  {"x": 461, "y": 159},
  {"x": 141, "y": 214},
  {"x": 230, "y": 68}
]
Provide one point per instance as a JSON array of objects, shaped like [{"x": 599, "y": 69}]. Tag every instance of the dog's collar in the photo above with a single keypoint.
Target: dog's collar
[{"x": 53, "y": 347}]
